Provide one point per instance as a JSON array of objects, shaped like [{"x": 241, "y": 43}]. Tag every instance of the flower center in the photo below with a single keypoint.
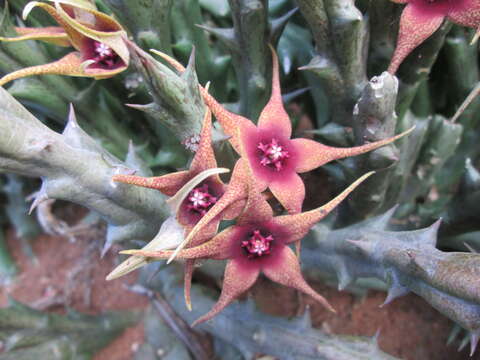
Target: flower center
[
  {"x": 200, "y": 200},
  {"x": 104, "y": 54},
  {"x": 257, "y": 245},
  {"x": 273, "y": 154}
]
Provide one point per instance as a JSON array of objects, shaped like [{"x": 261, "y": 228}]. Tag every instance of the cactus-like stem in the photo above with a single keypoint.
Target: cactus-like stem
[
  {"x": 441, "y": 141},
  {"x": 74, "y": 167},
  {"x": 7, "y": 265},
  {"x": 17, "y": 190},
  {"x": 462, "y": 214},
  {"x": 176, "y": 98},
  {"x": 160, "y": 339},
  {"x": 27, "y": 333},
  {"x": 211, "y": 66},
  {"x": 250, "y": 31},
  {"x": 407, "y": 260},
  {"x": 250, "y": 331},
  {"x": 341, "y": 36},
  {"x": 375, "y": 119}
]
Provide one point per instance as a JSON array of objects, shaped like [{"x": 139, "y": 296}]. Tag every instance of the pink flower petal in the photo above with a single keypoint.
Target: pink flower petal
[
  {"x": 250, "y": 139},
  {"x": 167, "y": 184},
  {"x": 466, "y": 13},
  {"x": 237, "y": 280},
  {"x": 312, "y": 154},
  {"x": 257, "y": 209},
  {"x": 229, "y": 121},
  {"x": 187, "y": 282},
  {"x": 217, "y": 248},
  {"x": 236, "y": 191},
  {"x": 286, "y": 271},
  {"x": 273, "y": 114},
  {"x": 418, "y": 22},
  {"x": 204, "y": 157},
  {"x": 296, "y": 226},
  {"x": 290, "y": 192}
]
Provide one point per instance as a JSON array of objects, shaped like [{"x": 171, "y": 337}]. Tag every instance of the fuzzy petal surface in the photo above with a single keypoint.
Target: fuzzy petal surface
[
  {"x": 50, "y": 34},
  {"x": 256, "y": 210},
  {"x": 418, "y": 23},
  {"x": 188, "y": 269},
  {"x": 298, "y": 225},
  {"x": 229, "y": 121},
  {"x": 218, "y": 248},
  {"x": 167, "y": 184},
  {"x": 290, "y": 192},
  {"x": 237, "y": 280},
  {"x": 466, "y": 13},
  {"x": 237, "y": 190},
  {"x": 204, "y": 157},
  {"x": 273, "y": 114},
  {"x": 314, "y": 154},
  {"x": 286, "y": 271}
]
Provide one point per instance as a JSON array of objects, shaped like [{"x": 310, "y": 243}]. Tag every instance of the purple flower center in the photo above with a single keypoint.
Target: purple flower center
[
  {"x": 257, "y": 245},
  {"x": 200, "y": 200},
  {"x": 273, "y": 154},
  {"x": 104, "y": 55}
]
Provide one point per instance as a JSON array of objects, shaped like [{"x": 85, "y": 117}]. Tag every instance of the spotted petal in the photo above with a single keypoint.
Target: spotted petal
[
  {"x": 298, "y": 225},
  {"x": 466, "y": 13},
  {"x": 51, "y": 34},
  {"x": 70, "y": 65},
  {"x": 316, "y": 154},
  {"x": 416, "y": 25},
  {"x": 257, "y": 208},
  {"x": 217, "y": 248},
  {"x": 76, "y": 39},
  {"x": 167, "y": 184},
  {"x": 237, "y": 280},
  {"x": 236, "y": 191},
  {"x": 273, "y": 114},
  {"x": 204, "y": 157},
  {"x": 289, "y": 191},
  {"x": 286, "y": 271}
]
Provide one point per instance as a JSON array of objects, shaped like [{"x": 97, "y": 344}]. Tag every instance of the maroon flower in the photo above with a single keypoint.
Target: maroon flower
[
  {"x": 421, "y": 18},
  {"x": 273, "y": 157},
  {"x": 200, "y": 199},
  {"x": 258, "y": 243}
]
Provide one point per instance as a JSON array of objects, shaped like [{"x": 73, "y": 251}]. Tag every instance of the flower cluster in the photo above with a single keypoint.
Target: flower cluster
[{"x": 259, "y": 242}]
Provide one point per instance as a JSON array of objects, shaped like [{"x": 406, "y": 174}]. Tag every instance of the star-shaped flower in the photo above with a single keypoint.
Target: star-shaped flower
[
  {"x": 274, "y": 158},
  {"x": 258, "y": 243},
  {"x": 198, "y": 201},
  {"x": 98, "y": 39},
  {"x": 421, "y": 18}
]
